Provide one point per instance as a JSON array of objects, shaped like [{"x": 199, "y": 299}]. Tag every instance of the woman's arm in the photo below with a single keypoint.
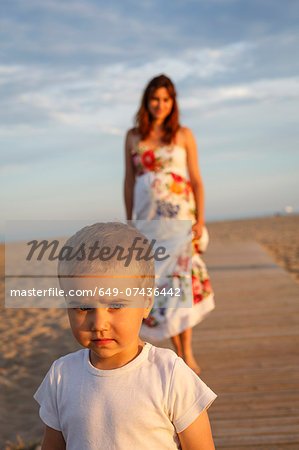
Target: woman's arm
[
  {"x": 196, "y": 181},
  {"x": 198, "y": 435},
  {"x": 53, "y": 440},
  {"x": 129, "y": 176}
]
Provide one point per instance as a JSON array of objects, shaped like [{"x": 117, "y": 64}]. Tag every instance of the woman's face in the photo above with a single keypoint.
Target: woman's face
[{"x": 160, "y": 104}]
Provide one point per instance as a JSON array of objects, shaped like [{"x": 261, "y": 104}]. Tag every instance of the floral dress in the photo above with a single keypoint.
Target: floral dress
[{"x": 162, "y": 192}]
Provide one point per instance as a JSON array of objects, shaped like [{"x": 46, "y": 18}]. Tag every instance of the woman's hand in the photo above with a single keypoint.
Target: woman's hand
[{"x": 197, "y": 230}]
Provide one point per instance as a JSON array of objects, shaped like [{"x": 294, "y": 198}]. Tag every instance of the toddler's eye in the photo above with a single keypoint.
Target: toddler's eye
[
  {"x": 84, "y": 308},
  {"x": 116, "y": 305}
]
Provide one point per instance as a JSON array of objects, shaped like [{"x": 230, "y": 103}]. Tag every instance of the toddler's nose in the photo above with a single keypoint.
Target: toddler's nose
[{"x": 100, "y": 320}]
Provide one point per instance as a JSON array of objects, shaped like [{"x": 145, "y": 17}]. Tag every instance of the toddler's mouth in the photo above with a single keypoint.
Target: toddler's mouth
[{"x": 102, "y": 341}]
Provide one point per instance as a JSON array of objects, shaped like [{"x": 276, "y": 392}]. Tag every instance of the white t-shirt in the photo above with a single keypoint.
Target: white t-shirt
[{"x": 142, "y": 405}]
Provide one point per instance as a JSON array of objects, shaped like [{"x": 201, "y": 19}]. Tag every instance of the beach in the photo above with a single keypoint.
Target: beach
[
  {"x": 31, "y": 339},
  {"x": 279, "y": 235}
]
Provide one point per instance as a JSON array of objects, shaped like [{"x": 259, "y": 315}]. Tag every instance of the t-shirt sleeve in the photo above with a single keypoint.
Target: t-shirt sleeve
[
  {"x": 188, "y": 396},
  {"x": 46, "y": 396}
]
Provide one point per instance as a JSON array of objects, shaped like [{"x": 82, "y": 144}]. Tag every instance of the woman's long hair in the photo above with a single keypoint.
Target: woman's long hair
[{"x": 143, "y": 118}]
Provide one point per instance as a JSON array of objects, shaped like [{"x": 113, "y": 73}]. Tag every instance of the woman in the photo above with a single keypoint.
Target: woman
[{"x": 158, "y": 152}]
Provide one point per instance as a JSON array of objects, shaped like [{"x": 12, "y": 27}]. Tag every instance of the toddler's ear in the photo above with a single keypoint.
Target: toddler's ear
[{"x": 149, "y": 301}]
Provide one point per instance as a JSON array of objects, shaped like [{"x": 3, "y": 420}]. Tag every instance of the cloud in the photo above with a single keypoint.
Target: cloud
[
  {"x": 99, "y": 96},
  {"x": 68, "y": 33},
  {"x": 8, "y": 169},
  {"x": 105, "y": 97},
  {"x": 207, "y": 100}
]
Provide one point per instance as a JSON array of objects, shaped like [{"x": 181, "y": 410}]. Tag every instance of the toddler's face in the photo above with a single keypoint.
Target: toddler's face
[{"x": 108, "y": 325}]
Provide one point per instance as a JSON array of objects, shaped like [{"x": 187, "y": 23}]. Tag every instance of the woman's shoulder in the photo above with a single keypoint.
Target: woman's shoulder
[
  {"x": 132, "y": 137},
  {"x": 183, "y": 136},
  {"x": 133, "y": 133}
]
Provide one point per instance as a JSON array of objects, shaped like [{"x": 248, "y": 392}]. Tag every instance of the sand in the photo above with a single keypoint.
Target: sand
[{"x": 31, "y": 339}]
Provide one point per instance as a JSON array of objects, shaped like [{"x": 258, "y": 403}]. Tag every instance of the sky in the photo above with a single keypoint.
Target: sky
[{"x": 71, "y": 78}]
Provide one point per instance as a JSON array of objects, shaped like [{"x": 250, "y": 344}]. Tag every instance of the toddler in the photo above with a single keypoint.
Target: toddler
[{"x": 118, "y": 392}]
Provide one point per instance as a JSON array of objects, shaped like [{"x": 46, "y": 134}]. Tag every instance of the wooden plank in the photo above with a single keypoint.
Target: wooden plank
[{"x": 266, "y": 442}]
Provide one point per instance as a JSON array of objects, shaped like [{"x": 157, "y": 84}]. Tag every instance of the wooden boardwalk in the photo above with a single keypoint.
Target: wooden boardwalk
[{"x": 248, "y": 349}]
